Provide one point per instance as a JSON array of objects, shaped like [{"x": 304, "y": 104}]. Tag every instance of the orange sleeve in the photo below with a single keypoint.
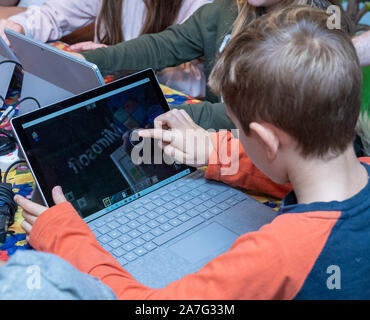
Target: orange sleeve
[
  {"x": 269, "y": 264},
  {"x": 230, "y": 164},
  {"x": 365, "y": 160}
]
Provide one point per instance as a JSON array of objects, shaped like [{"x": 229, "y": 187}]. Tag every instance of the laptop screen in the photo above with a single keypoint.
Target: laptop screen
[{"x": 87, "y": 149}]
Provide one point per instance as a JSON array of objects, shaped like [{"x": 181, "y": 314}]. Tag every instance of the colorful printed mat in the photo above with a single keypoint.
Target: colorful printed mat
[{"x": 23, "y": 182}]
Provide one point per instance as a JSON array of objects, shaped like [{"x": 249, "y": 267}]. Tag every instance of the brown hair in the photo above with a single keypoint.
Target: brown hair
[
  {"x": 289, "y": 70},
  {"x": 160, "y": 14},
  {"x": 248, "y": 13}
]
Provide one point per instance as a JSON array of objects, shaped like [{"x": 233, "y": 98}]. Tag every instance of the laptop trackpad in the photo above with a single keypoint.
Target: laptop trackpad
[{"x": 204, "y": 243}]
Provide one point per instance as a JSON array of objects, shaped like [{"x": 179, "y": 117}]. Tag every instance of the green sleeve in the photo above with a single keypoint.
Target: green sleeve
[
  {"x": 208, "y": 115},
  {"x": 172, "y": 47}
]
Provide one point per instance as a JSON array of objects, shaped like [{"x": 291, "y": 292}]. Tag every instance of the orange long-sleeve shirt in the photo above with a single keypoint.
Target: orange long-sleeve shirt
[
  {"x": 227, "y": 152},
  {"x": 272, "y": 263}
]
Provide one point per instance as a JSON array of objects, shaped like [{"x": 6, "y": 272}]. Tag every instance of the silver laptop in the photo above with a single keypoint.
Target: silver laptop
[
  {"x": 160, "y": 221},
  {"x": 50, "y": 74},
  {"x": 8, "y": 63}
]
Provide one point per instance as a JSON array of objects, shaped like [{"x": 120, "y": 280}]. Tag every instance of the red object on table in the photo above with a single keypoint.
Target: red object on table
[{"x": 4, "y": 256}]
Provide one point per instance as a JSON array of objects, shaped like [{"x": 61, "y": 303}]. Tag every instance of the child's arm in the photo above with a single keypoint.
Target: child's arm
[
  {"x": 208, "y": 115},
  {"x": 56, "y": 18},
  {"x": 186, "y": 142},
  {"x": 269, "y": 264},
  {"x": 61, "y": 231},
  {"x": 172, "y": 47},
  {"x": 230, "y": 164}
]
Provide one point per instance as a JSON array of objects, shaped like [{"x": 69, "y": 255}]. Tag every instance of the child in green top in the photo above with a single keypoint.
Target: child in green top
[{"x": 204, "y": 34}]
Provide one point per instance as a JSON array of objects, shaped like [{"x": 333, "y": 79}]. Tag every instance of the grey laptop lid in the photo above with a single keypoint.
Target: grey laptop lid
[{"x": 51, "y": 75}]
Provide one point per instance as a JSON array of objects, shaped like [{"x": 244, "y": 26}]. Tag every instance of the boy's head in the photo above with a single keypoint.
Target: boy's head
[{"x": 290, "y": 84}]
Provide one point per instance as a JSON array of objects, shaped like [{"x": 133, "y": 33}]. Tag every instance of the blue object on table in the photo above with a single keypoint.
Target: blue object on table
[{"x": 10, "y": 244}]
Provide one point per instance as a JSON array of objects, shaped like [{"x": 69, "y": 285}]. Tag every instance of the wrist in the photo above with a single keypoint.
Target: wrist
[
  {"x": 43, "y": 228},
  {"x": 78, "y": 55},
  {"x": 17, "y": 27}
]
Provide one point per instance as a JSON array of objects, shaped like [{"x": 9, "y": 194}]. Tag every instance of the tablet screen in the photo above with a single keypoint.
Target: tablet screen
[{"x": 87, "y": 149}]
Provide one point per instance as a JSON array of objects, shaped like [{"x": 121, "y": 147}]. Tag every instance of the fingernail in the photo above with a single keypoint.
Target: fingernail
[{"x": 58, "y": 189}]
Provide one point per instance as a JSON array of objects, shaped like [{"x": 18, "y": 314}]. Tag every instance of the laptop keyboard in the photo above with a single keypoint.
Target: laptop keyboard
[{"x": 140, "y": 227}]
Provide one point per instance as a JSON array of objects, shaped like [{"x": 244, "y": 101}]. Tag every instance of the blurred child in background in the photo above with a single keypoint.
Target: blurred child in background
[{"x": 115, "y": 22}]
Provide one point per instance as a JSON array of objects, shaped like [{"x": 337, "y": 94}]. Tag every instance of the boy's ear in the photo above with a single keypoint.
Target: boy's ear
[{"x": 267, "y": 137}]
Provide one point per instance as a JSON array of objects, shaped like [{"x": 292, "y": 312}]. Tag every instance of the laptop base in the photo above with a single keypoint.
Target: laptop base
[{"x": 212, "y": 233}]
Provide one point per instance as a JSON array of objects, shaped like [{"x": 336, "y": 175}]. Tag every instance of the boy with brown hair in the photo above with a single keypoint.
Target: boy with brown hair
[{"x": 293, "y": 88}]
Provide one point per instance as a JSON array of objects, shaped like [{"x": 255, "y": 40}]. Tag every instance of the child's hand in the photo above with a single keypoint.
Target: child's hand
[
  {"x": 76, "y": 55},
  {"x": 86, "y": 46},
  {"x": 7, "y": 24},
  {"x": 181, "y": 138},
  {"x": 31, "y": 210}
]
